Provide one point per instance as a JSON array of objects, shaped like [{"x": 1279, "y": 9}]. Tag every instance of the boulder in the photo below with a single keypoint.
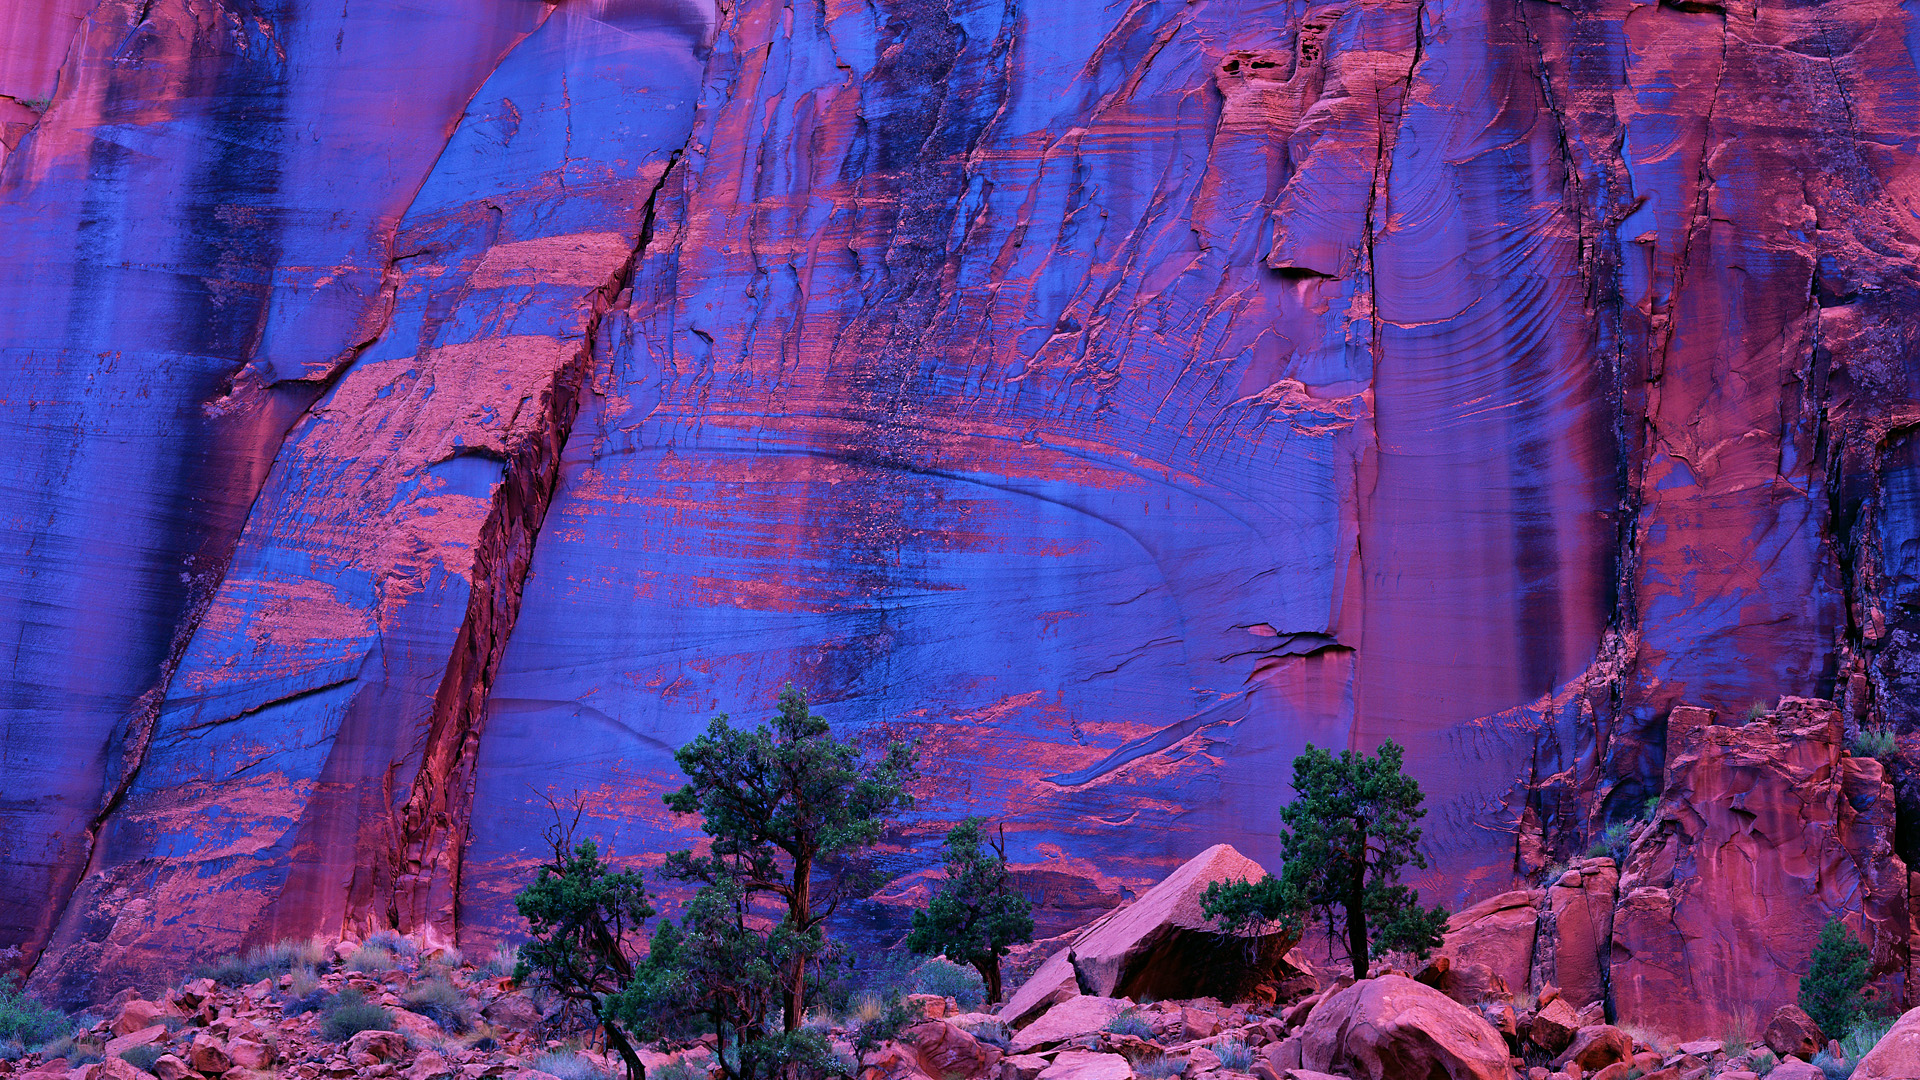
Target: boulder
[
  {"x": 1764, "y": 832},
  {"x": 1596, "y": 1047},
  {"x": 1468, "y": 984},
  {"x": 930, "y": 1006},
  {"x": 1393, "y": 1027},
  {"x": 131, "y": 1039},
  {"x": 1023, "y": 1067},
  {"x": 891, "y": 1061},
  {"x": 1084, "y": 1065},
  {"x": 250, "y": 1054},
  {"x": 1794, "y": 1069},
  {"x": 1051, "y": 984},
  {"x": 169, "y": 1067},
  {"x": 427, "y": 1066},
  {"x": 1554, "y": 1026},
  {"x": 208, "y": 1055},
  {"x": 1896, "y": 1055},
  {"x": 948, "y": 1053},
  {"x": 1072, "y": 1017},
  {"x": 380, "y": 1046},
  {"x": 1161, "y": 946},
  {"x": 1791, "y": 1032},
  {"x": 1497, "y": 932},
  {"x": 1576, "y": 932},
  {"x": 137, "y": 1014}
]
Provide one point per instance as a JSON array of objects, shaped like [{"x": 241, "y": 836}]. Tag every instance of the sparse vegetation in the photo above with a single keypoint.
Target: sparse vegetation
[
  {"x": 439, "y": 1000},
  {"x": 1159, "y": 1068},
  {"x": 678, "y": 1069},
  {"x": 142, "y": 1057},
  {"x": 1349, "y": 833},
  {"x": 1832, "y": 990},
  {"x": 567, "y": 1065},
  {"x": 1758, "y": 711},
  {"x": 1131, "y": 1022},
  {"x": 1875, "y": 742},
  {"x": 1234, "y": 1055},
  {"x": 77, "y": 1052},
  {"x": 267, "y": 961},
  {"x": 1614, "y": 843},
  {"x": 947, "y": 979},
  {"x": 1762, "y": 1062},
  {"x": 371, "y": 957},
  {"x": 26, "y": 1021},
  {"x": 1864, "y": 1037},
  {"x": 349, "y": 1013}
]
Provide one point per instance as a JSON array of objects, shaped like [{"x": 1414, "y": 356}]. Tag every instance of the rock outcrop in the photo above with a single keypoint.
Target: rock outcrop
[
  {"x": 1896, "y": 1055},
  {"x": 1764, "y": 831},
  {"x": 418, "y": 401},
  {"x": 1392, "y": 1027}
]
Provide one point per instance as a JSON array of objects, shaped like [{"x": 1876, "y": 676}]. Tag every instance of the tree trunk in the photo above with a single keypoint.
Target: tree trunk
[
  {"x": 797, "y": 914},
  {"x": 1357, "y": 914},
  {"x": 989, "y": 969},
  {"x": 618, "y": 1040}
]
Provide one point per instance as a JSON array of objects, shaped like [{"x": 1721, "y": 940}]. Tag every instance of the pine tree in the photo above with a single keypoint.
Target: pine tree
[
  {"x": 977, "y": 913},
  {"x": 1349, "y": 832},
  {"x": 1832, "y": 990},
  {"x": 783, "y": 802}
]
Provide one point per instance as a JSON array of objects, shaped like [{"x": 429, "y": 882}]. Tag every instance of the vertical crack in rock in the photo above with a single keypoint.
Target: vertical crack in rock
[{"x": 431, "y": 827}]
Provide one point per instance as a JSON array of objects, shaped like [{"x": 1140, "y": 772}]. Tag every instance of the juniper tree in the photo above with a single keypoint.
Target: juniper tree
[
  {"x": 1832, "y": 990},
  {"x": 586, "y": 921},
  {"x": 1349, "y": 833},
  {"x": 783, "y": 802},
  {"x": 977, "y": 913}
]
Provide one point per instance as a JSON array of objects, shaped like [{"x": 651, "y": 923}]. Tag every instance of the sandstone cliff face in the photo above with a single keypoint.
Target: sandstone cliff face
[{"x": 431, "y": 407}]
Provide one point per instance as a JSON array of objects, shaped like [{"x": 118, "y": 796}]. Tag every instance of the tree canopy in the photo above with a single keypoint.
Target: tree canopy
[{"x": 977, "y": 914}]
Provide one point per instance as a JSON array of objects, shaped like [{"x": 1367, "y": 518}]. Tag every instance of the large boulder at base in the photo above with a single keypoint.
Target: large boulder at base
[
  {"x": 1161, "y": 946},
  {"x": 1498, "y": 932},
  {"x": 1897, "y": 1055},
  {"x": 1790, "y": 1031},
  {"x": 1795, "y": 1069},
  {"x": 948, "y": 1053},
  {"x": 1554, "y": 1026},
  {"x": 1053, "y": 983},
  {"x": 1596, "y": 1047},
  {"x": 1072, "y": 1017},
  {"x": 1392, "y": 1028}
]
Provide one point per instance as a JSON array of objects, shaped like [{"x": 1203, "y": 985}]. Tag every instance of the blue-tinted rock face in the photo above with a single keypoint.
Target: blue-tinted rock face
[{"x": 426, "y": 411}]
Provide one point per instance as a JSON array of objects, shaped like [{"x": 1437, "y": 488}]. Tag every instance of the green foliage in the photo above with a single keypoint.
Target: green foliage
[
  {"x": 348, "y": 1014},
  {"x": 1835, "y": 1068},
  {"x": 1864, "y": 1037},
  {"x": 1614, "y": 843},
  {"x": 370, "y": 958},
  {"x": 1159, "y": 1068},
  {"x": 1875, "y": 742},
  {"x": 882, "y": 1021},
  {"x": 586, "y": 920},
  {"x": 1350, "y": 831},
  {"x": 949, "y": 980},
  {"x": 78, "y": 1052},
  {"x": 266, "y": 961},
  {"x": 1131, "y": 1023},
  {"x": 1234, "y": 1055},
  {"x": 439, "y": 1000},
  {"x": 142, "y": 1057},
  {"x": 25, "y": 1020},
  {"x": 788, "y": 807},
  {"x": 1758, "y": 711},
  {"x": 1762, "y": 1062},
  {"x": 977, "y": 914},
  {"x": 678, "y": 1069},
  {"x": 1831, "y": 991}
]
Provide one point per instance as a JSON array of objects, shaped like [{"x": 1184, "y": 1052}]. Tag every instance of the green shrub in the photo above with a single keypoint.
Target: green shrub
[
  {"x": 440, "y": 1001},
  {"x": 266, "y": 961},
  {"x": 394, "y": 942},
  {"x": 1614, "y": 843},
  {"x": 1864, "y": 1036},
  {"x": 1835, "y": 1068},
  {"x": 78, "y": 1052},
  {"x": 944, "y": 978},
  {"x": 24, "y": 1020},
  {"x": 677, "y": 1069},
  {"x": 1758, "y": 711},
  {"x": 142, "y": 1057},
  {"x": 1832, "y": 990},
  {"x": 1875, "y": 742},
  {"x": 1159, "y": 1068},
  {"x": 879, "y": 1020},
  {"x": 1131, "y": 1023},
  {"x": 371, "y": 957},
  {"x": 568, "y": 1066},
  {"x": 1763, "y": 1062},
  {"x": 349, "y": 1014},
  {"x": 1234, "y": 1055}
]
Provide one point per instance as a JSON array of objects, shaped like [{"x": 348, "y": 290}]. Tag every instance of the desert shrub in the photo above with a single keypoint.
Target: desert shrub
[
  {"x": 371, "y": 958},
  {"x": 878, "y": 1020},
  {"x": 348, "y": 1014},
  {"x": 394, "y": 942},
  {"x": 314, "y": 1000},
  {"x": 25, "y": 1020},
  {"x": 677, "y": 1069},
  {"x": 1835, "y": 1068},
  {"x": 1863, "y": 1037},
  {"x": 568, "y": 1066},
  {"x": 1131, "y": 1023},
  {"x": 1874, "y": 742},
  {"x": 1763, "y": 1062},
  {"x": 440, "y": 1001},
  {"x": 78, "y": 1052},
  {"x": 502, "y": 963},
  {"x": 1614, "y": 843},
  {"x": 1235, "y": 1056},
  {"x": 266, "y": 961},
  {"x": 944, "y": 978},
  {"x": 993, "y": 1033},
  {"x": 1159, "y": 1068},
  {"x": 1758, "y": 711},
  {"x": 142, "y": 1057},
  {"x": 1832, "y": 990}
]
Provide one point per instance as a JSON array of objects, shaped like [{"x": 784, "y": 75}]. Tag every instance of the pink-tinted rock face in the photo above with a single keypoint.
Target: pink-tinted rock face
[{"x": 431, "y": 409}]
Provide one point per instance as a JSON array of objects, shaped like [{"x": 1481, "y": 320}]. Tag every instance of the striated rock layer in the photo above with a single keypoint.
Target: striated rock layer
[{"x": 427, "y": 410}]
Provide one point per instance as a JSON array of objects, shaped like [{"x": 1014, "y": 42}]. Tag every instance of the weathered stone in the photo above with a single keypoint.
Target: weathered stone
[
  {"x": 250, "y": 1054},
  {"x": 1575, "y": 942},
  {"x": 129, "y": 1040},
  {"x": 1082, "y": 1065},
  {"x": 1053, "y": 982},
  {"x": 1596, "y": 1047},
  {"x": 1793, "y": 1068},
  {"x": 138, "y": 1014},
  {"x": 1161, "y": 946},
  {"x": 1764, "y": 832},
  {"x": 1897, "y": 1055},
  {"x": 929, "y": 1006},
  {"x": 379, "y": 1046},
  {"x": 1393, "y": 1027},
  {"x": 947, "y": 1052},
  {"x": 169, "y": 1067},
  {"x": 1791, "y": 1032},
  {"x": 1022, "y": 1066},
  {"x": 1072, "y": 1017},
  {"x": 208, "y": 1055},
  {"x": 1553, "y": 1026},
  {"x": 1498, "y": 932}
]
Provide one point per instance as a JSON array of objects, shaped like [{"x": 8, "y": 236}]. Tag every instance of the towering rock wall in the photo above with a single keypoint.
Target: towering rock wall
[{"x": 427, "y": 410}]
